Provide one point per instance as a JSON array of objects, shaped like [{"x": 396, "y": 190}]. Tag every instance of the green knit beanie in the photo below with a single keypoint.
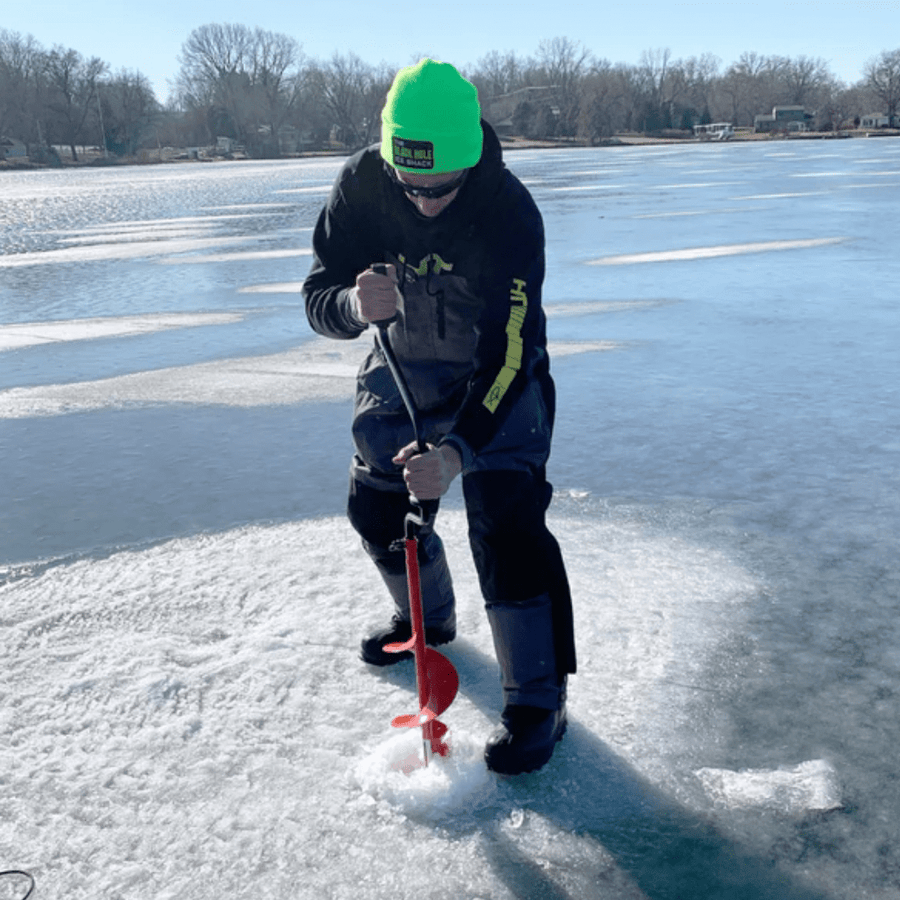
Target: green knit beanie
[{"x": 431, "y": 122}]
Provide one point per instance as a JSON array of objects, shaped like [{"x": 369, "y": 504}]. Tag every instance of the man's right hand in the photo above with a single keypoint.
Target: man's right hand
[{"x": 375, "y": 296}]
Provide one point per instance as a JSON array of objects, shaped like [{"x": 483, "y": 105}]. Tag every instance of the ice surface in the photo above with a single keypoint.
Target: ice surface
[
  {"x": 182, "y": 710},
  {"x": 177, "y": 714},
  {"x": 169, "y": 708}
]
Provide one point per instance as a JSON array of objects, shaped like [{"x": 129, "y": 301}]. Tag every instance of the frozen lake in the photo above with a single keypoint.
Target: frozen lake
[{"x": 181, "y": 711}]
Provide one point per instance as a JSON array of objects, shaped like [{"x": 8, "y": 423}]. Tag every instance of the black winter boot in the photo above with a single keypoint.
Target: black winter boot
[
  {"x": 525, "y": 739},
  {"x": 438, "y": 608},
  {"x": 397, "y": 632}
]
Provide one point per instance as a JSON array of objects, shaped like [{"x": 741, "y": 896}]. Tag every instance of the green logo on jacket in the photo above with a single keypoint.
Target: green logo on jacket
[{"x": 433, "y": 260}]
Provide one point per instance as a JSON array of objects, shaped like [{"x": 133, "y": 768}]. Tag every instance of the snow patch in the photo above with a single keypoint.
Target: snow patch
[
  {"x": 569, "y": 348},
  {"x": 693, "y": 253},
  {"x": 808, "y": 787},
  {"x": 284, "y": 287},
  {"x": 239, "y": 256},
  {"x": 318, "y": 371},
  {"x": 15, "y": 337},
  {"x": 184, "y": 717},
  {"x": 115, "y": 251}
]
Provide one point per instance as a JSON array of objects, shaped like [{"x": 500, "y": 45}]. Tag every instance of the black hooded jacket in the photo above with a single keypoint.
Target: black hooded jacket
[{"x": 470, "y": 333}]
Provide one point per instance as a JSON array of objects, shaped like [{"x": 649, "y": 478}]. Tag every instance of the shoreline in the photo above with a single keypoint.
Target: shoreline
[{"x": 169, "y": 156}]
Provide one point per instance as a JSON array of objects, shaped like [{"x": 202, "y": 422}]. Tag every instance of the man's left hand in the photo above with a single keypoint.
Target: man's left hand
[{"x": 428, "y": 475}]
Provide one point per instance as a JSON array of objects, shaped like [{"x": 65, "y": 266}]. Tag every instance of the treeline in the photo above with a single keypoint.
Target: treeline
[
  {"x": 59, "y": 97},
  {"x": 256, "y": 88}
]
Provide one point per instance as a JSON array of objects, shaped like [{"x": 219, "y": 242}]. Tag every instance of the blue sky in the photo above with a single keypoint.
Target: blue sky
[{"x": 148, "y": 35}]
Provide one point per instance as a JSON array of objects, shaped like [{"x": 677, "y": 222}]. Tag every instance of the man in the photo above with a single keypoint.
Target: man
[{"x": 463, "y": 245}]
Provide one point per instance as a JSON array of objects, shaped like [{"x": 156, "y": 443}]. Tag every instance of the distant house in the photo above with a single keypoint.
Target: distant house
[
  {"x": 784, "y": 118},
  {"x": 499, "y": 110},
  {"x": 10, "y": 148},
  {"x": 878, "y": 120}
]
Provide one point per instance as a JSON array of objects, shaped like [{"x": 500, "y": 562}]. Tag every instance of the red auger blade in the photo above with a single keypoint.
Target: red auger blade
[
  {"x": 400, "y": 648},
  {"x": 436, "y": 678},
  {"x": 442, "y": 684}
]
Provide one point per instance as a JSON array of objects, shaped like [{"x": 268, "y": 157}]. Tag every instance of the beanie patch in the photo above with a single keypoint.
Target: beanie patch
[{"x": 412, "y": 154}]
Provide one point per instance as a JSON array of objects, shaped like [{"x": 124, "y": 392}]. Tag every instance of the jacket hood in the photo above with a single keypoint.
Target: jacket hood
[
  {"x": 489, "y": 169},
  {"x": 485, "y": 179}
]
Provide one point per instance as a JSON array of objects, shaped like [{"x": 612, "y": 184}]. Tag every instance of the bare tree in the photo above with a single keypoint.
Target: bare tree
[
  {"x": 882, "y": 75},
  {"x": 563, "y": 64},
  {"x": 72, "y": 82},
  {"x": 654, "y": 89},
  {"x": 699, "y": 76},
  {"x": 752, "y": 85},
  {"x": 602, "y": 106},
  {"x": 130, "y": 109},
  {"x": 804, "y": 80},
  {"x": 353, "y": 94},
  {"x": 838, "y": 106},
  {"x": 275, "y": 60},
  {"x": 497, "y": 74},
  {"x": 246, "y": 80},
  {"x": 213, "y": 52},
  {"x": 21, "y": 67}
]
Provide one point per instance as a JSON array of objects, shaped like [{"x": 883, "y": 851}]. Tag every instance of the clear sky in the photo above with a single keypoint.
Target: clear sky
[{"x": 148, "y": 35}]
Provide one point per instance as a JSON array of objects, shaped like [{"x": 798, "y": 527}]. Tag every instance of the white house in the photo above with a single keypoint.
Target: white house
[{"x": 876, "y": 120}]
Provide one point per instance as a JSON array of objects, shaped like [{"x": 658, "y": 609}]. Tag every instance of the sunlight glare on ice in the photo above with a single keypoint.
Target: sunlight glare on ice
[{"x": 692, "y": 253}]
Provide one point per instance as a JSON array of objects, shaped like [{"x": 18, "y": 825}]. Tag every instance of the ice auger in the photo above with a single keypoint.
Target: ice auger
[{"x": 436, "y": 678}]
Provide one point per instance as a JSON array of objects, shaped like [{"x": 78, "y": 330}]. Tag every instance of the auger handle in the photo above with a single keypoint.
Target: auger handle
[
  {"x": 427, "y": 508},
  {"x": 384, "y": 342}
]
